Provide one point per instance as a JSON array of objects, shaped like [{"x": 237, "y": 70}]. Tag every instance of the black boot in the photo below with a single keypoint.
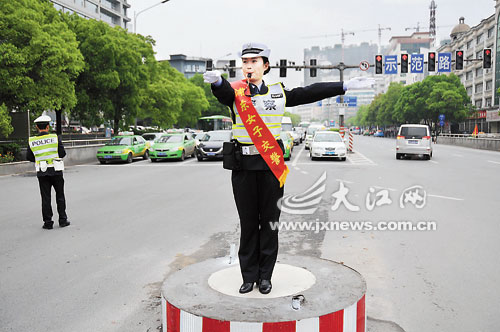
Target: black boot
[
  {"x": 64, "y": 223},
  {"x": 48, "y": 225},
  {"x": 265, "y": 286}
]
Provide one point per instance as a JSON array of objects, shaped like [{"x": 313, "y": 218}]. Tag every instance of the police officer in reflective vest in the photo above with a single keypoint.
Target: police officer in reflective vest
[
  {"x": 46, "y": 151},
  {"x": 257, "y": 110}
]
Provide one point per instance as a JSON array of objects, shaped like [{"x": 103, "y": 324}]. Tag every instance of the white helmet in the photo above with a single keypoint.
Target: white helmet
[{"x": 43, "y": 119}]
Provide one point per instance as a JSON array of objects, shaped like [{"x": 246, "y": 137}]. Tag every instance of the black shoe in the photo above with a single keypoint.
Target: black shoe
[
  {"x": 64, "y": 223},
  {"x": 246, "y": 287},
  {"x": 48, "y": 225},
  {"x": 265, "y": 286}
]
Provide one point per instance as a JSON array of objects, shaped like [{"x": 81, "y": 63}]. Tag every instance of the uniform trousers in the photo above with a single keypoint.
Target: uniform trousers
[
  {"x": 46, "y": 183},
  {"x": 256, "y": 193}
]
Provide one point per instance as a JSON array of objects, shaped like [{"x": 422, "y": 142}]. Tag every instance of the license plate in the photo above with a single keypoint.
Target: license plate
[
  {"x": 211, "y": 154},
  {"x": 412, "y": 142},
  {"x": 162, "y": 154},
  {"x": 108, "y": 157},
  {"x": 330, "y": 153}
]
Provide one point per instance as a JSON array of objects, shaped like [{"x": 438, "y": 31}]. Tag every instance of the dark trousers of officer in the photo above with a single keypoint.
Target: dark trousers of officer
[
  {"x": 46, "y": 183},
  {"x": 256, "y": 194}
]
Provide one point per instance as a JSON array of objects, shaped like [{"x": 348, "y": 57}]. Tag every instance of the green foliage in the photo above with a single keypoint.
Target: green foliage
[
  {"x": 39, "y": 57},
  {"x": 214, "y": 107},
  {"x": 421, "y": 102},
  {"x": 295, "y": 118},
  {"x": 8, "y": 152},
  {"x": 5, "y": 125}
]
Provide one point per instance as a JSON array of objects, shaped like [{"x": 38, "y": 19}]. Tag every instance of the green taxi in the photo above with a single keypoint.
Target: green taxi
[
  {"x": 173, "y": 146},
  {"x": 287, "y": 139},
  {"x": 123, "y": 148}
]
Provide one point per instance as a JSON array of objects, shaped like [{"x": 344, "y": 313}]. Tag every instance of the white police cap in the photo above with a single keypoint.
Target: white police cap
[
  {"x": 42, "y": 119},
  {"x": 251, "y": 50}
]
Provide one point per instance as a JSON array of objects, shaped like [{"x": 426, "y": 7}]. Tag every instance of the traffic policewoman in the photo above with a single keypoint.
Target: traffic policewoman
[
  {"x": 259, "y": 172},
  {"x": 46, "y": 151}
]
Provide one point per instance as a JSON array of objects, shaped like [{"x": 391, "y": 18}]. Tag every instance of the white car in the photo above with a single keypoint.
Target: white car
[
  {"x": 296, "y": 137},
  {"x": 327, "y": 144},
  {"x": 414, "y": 139},
  {"x": 152, "y": 137}
]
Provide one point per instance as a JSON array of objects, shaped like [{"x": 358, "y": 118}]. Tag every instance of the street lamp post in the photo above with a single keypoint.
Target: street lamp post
[{"x": 142, "y": 11}]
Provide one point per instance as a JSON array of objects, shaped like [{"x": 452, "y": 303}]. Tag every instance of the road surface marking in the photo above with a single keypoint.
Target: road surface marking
[
  {"x": 294, "y": 163},
  {"x": 434, "y": 162},
  {"x": 304, "y": 172},
  {"x": 446, "y": 197},
  {"x": 345, "y": 181},
  {"x": 357, "y": 158},
  {"x": 494, "y": 162}
]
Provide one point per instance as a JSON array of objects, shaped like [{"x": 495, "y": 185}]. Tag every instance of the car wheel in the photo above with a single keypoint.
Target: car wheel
[
  {"x": 129, "y": 157},
  {"x": 398, "y": 155},
  {"x": 102, "y": 161},
  {"x": 153, "y": 160},
  {"x": 343, "y": 159},
  {"x": 146, "y": 155},
  {"x": 183, "y": 155},
  {"x": 199, "y": 157},
  {"x": 193, "y": 154}
]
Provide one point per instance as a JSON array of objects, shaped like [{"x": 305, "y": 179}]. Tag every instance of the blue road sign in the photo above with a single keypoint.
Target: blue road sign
[
  {"x": 444, "y": 62},
  {"x": 351, "y": 101},
  {"x": 417, "y": 63},
  {"x": 332, "y": 123},
  {"x": 441, "y": 117},
  {"x": 391, "y": 64},
  {"x": 441, "y": 123}
]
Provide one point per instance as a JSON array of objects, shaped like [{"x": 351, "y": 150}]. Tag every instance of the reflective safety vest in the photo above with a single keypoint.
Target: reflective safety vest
[
  {"x": 270, "y": 107},
  {"x": 45, "y": 149}
]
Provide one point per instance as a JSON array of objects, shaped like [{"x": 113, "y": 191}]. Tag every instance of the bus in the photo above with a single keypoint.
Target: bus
[{"x": 215, "y": 122}]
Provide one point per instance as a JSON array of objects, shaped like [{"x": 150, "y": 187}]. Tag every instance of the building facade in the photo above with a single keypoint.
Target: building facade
[
  {"x": 113, "y": 12},
  {"x": 188, "y": 66},
  {"x": 478, "y": 82}
]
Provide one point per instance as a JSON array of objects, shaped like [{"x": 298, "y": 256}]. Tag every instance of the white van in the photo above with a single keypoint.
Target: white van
[{"x": 414, "y": 139}]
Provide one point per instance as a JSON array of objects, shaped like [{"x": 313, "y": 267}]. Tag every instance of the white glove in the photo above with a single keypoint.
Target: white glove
[
  {"x": 212, "y": 76},
  {"x": 359, "y": 83}
]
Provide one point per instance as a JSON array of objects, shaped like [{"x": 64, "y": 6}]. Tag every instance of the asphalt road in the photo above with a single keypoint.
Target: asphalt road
[{"x": 132, "y": 224}]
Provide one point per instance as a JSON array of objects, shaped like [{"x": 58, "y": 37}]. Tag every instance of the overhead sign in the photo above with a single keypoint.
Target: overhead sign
[
  {"x": 441, "y": 123},
  {"x": 417, "y": 63},
  {"x": 364, "y": 65},
  {"x": 351, "y": 101},
  {"x": 391, "y": 64},
  {"x": 441, "y": 117},
  {"x": 444, "y": 62}
]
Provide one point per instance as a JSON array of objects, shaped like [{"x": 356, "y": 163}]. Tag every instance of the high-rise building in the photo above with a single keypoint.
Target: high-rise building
[{"x": 113, "y": 12}]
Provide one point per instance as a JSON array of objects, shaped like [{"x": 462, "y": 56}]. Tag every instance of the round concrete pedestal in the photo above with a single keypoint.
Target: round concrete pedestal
[{"x": 204, "y": 297}]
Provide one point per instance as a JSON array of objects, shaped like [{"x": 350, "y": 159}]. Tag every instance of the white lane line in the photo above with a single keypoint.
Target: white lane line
[
  {"x": 357, "y": 153},
  {"x": 345, "y": 181},
  {"x": 494, "y": 162},
  {"x": 157, "y": 164},
  {"x": 304, "y": 172},
  {"x": 190, "y": 160},
  {"x": 378, "y": 187},
  {"x": 334, "y": 163},
  {"x": 297, "y": 168},
  {"x": 294, "y": 163},
  {"x": 434, "y": 162},
  {"x": 446, "y": 197}
]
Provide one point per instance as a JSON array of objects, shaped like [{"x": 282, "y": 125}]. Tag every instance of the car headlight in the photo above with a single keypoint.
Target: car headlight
[
  {"x": 119, "y": 151},
  {"x": 181, "y": 148}
]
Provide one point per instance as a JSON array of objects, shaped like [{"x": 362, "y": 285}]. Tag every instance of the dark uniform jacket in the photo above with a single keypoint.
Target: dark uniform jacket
[
  {"x": 50, "y": 170},
  {"x": 294, "y": 97}
]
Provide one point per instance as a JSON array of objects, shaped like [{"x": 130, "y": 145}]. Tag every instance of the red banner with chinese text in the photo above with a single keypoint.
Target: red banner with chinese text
[{"x": 260, "y": 135}]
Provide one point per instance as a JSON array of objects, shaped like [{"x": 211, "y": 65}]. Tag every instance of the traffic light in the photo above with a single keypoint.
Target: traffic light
[
  {"x": 487, "y": 58},
  {"x": 404, "y": 63},
  {"x": 431, "y": 61},
  {"x": 378, "y": 64},
  {"x": 283, "y": 68},
  {"x": 312, "y": 71},
  {"x": 459, "y": 60},
  {"x": 232, "y": 66},
  {"x": 209, "y": 65}
]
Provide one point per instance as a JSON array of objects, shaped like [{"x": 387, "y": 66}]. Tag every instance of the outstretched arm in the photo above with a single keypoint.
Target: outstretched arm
[{"x": 313, "y": 92}]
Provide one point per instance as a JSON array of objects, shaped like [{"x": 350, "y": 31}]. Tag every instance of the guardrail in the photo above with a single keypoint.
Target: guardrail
[
  {"x": 86, "y": 142},
  {"x": 480, "y": 136}
]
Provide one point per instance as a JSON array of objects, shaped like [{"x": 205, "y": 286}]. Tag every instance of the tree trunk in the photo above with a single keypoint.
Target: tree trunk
[{"x": 59, "y": 122}]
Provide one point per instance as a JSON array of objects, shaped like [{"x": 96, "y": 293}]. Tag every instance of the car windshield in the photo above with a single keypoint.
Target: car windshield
[
  {"x": 120, "y": 141},
  {"x": 284, "y": 136},
  {"x": 199, "y": 136},
  {"x": 286, "y": 126},
  {"x": 149, "y": 137},
  {"x": 217, "y": 136},
  {"x": 170, "y": 139},
  {"x": 311, "y": 130},
  {"x": 326, "y": 137},
  {"x": 414, "y": 132}
]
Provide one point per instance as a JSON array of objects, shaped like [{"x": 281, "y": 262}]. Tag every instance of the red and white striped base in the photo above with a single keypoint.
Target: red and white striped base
[
  {"x": 351, "y": 142},
  {"x": 350, "y": 319}
]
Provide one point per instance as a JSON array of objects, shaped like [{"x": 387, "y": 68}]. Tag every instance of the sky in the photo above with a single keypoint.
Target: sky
[{"x": 215, "y": 28}]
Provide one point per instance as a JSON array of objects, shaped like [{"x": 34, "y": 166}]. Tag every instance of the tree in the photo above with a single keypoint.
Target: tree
[
  {"x": 39, "y": 57},
  {"x": 388, "y": 101},
  {"x": 5, "y": 125},
  {"x": 214, "y": 107},
  {"x": 112, "y": 86},
  {"x": 295, "y": 118}
]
